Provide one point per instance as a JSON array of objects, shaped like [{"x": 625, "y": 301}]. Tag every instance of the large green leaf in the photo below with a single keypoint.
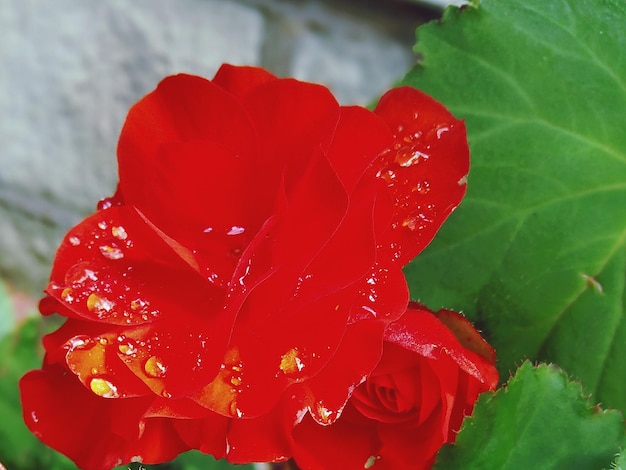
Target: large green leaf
[
  {"x": 539, "y": 420},
  {"x": 536, "y": 253}
]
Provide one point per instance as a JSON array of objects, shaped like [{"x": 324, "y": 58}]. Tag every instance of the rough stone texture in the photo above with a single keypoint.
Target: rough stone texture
[{"x": 69, "y": 71}]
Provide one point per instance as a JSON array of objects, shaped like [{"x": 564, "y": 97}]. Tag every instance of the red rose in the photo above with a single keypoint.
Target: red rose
[
  {"x": 432, "y": 369},
  {"x": 246, "y": 267}
]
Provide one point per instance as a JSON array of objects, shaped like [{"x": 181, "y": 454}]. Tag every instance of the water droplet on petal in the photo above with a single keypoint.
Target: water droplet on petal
[
  {"x": 111, "y": 252},
  {"x": 371, "y": 461},
  {"x": 208, "y": 230},
  {"x": 119, "y": 232},
  {"x": 74, "y": 241},
  {"x": 103, "y": 388},
  {"x": 79, "y": 342},
  {"x": 107, "y": 203},
  {"x": 234, "y": 409},
  {"x": 235, "y": 230},
  {"x": 441, "y": 131},
  {"x": 387, "y": 174},
  {"x": 324, "y": 413},
  {"x": 126, "y": 346},
  {"x": 96, "y": 303},
  {"x": 79, "y": 273},
  {"x": 102, "y": 225},
  {"x": 419, "y": 219},
  {"x": 68, "y": 295},
  {"x": 422, "y": 187},
  {"x": 154, "y": 367},
  {"x": 166, "y": 394},
  {"x": 137, "y": 304},
  {"x": 408, "y": 156}
]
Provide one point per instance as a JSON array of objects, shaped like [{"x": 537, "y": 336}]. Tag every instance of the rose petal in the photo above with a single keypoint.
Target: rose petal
[
  {"x": 75, "y": 425},
  {"x": 292, "y": 120},
  {"x": 425, "y": 168},
  {"x": 183, "y": 109},
  {"x": 239, "y": 80}
]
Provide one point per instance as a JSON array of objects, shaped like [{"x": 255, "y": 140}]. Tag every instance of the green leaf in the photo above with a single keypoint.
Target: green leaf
[
  {"x": 7, "y": 316},
  {"x": 536, "y": 253},
  {"x": 539, "y": 420},
  {"x": 19, "y": 449}
]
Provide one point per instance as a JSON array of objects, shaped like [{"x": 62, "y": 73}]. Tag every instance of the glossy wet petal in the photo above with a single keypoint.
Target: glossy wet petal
[
  {"x": 96, "y": 433},
  {"x": 425, "y": 168}
]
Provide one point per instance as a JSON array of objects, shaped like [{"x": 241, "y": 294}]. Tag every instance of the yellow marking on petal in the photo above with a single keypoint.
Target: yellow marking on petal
[{"x": 290, "y": 362}]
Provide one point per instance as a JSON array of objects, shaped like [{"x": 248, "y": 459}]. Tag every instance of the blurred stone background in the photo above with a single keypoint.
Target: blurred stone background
[{"x": 70, "y": 69}]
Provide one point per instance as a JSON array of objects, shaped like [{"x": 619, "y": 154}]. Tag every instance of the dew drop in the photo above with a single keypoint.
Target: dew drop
[
  {"x": 106, "y": 203},
  {"x": 166, "y": 394},
  {"x": 137, "y": 304},
  {"x": 126, "y": 346},
  {"x": 34, "y": 417},
  {"x": 441, "y": 131},
  {"x": 324, "y": 413},
  {"x": 387, "y": 174},
  {"x": 79, "y": 342},
  {"x": 422, "y": 187},
  {"x": 409, "y": 156},
  {"x": 102, "y": 225},
  {"x": 235, "y": 230},
  {"x": 78, "y": 274},
  {"x": 74, "y": 241},
  {"x": 154, "y": 367},
  {"x": 103, "y": 388},
  {"x": 68, "y": 295},
  {"x": 208, "y": 230},
  {"x": 119, "y": 232},
  {"x": 417, "y": 220},
  {"x": 95, "y": 303},
  {"x": 236, "y": 380},
  {"x": 371, "y": 461},
  {"x": 234, "y": 409},
  {"x": 111, "y": 252}
]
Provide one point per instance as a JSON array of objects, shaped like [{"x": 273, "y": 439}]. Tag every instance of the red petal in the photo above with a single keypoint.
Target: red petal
[
  {"x": 467, "y": 335},
  {"x": 358, "y": 139},
  {"x": 239, "y": 80},
  {"x": 293, "y": 120},
  {"x": 183, "y": 109},
  {"x": 357, "y": 355},
  {"x": 96, "y": 433},
  {"x": 266, "y": 438},
  {"x": 425, "y": 168},
  {"x": 144, "y": 284},
  {"x": 207, "y": 435},
  {"x": 347, "y": 444},
  {"x": 199, "y": 193},
  {"x": 422, "y": 332}
]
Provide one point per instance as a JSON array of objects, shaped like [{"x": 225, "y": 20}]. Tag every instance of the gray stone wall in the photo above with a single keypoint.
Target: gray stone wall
[{"x": 70, "y": 69}]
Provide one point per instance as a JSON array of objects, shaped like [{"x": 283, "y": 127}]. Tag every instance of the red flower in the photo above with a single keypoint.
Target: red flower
[
  {"x": 246, "y": 267},
  {"x": 432, "y": 370}
]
